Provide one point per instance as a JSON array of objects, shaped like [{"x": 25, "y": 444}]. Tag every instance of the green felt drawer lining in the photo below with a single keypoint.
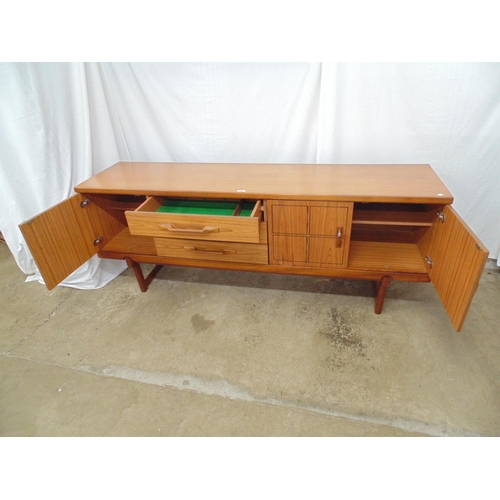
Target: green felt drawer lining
[{"x": 195, "y": 207}]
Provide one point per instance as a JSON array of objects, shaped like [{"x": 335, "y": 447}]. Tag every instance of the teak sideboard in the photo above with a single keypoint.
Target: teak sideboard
[{"x": 369, "y": 222}]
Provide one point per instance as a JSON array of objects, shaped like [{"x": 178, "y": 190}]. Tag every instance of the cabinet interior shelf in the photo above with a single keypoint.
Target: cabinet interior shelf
[
  {"x": 385, "y": 256},
  {"x": 392, "y": 218},
  {"x": 123, "y": 206}
]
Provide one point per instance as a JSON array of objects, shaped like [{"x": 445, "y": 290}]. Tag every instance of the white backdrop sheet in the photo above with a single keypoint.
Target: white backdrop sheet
[{"x": 60, "y": 123}]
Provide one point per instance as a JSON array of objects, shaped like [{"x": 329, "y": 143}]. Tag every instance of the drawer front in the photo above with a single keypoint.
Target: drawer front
[
  {"x": 146, "y": 221},
  {"x": 210, "y": 250}
]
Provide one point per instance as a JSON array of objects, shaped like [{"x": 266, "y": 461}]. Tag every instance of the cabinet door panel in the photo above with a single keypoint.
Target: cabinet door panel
[
  {"x": 290, "y": 249},
  {"x": 61, "y": 239},
  {"x": 458, "y": 259},
  {"x": 326, "y": 251},
  {"x": 290, "y": 218},
  {"x": 326, "y": 221}
]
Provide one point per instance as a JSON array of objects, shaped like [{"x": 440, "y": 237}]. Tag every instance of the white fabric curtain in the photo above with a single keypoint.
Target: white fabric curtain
[
  {"x": 60, "y": 123},
  {"x": 55, "y": 132}
]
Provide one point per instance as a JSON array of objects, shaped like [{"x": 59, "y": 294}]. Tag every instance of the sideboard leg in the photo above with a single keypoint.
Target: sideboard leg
[
  {"x": 380, "y": 290},
  {"x": 143, "y": 282}
]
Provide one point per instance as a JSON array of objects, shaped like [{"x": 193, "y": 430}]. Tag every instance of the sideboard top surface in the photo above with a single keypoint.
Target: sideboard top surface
[{"x": 349, "y": 182}]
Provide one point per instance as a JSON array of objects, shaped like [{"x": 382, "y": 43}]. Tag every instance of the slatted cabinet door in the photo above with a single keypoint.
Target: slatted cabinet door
[
  {"x": 455, "y": 260},
  {"x": 65, "y": 236}
]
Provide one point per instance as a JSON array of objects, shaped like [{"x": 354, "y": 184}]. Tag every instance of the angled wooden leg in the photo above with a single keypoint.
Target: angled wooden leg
[
  {"x": 380, "y": 288},
  {"x": 143, "y": 282}
]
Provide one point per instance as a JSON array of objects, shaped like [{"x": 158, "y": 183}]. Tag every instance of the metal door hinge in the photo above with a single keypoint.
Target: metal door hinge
[
  {"x": 441, "y": 216},
  {"x": 85, "y": 202},
  {"x": 429, "y": 261},
  {"x": 96, "y": 242}
]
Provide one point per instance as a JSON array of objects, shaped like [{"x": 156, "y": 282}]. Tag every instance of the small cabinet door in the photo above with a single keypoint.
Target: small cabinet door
[
  {"x": 289, "y": 249},
  {"x": 326, "y": 251},
  {"x": 328, "y": 220},
  {"x": 290, "y": 218},
  {"x": 65, "y": 236},
  {"x": 455, "y": 260},
  {"x": 309, "y": 233}
]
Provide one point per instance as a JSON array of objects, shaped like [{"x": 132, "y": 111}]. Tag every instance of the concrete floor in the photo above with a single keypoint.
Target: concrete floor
[{"x": 219, "y": 353}]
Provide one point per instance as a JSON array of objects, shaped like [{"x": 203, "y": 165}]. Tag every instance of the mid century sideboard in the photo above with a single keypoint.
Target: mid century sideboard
[{"x": 370, "y": 222}]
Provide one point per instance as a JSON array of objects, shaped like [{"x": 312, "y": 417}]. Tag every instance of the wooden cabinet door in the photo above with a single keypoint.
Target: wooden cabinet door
[
  {"x": 455, "y": 260},
  {"x": 326, "y": 251},
  {"x": 328, "y": 220},
  {"x": 309, "y": 233},
  {"x": 65, "y": 236},
  {"x": 290, "y": 250},
  {"x": 290, "y": 217}
]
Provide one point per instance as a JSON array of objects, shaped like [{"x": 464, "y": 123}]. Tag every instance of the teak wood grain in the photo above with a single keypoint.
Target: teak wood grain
[
  {"x": 387, "y": 257},
  {"x": 250, "y": 253},
  {"x": 125, "y": 244},
  {"x": 289, "y": 217},
  {"x": 146, "y": 221},
  {"x": 388, "y": 234},
  {"x": 391, "y": 183},
  {"x": 357, "y": 274},
  {"x": 288, "y": 249},
  {"x": 329, "y": 219},
  {"x": 392, "y": 218},
  {"x": 326, "y": 251},
  {"x": 62, "y": 238},
  {"x": 458, "y": 258},
  {"x": 309, "y": 233},
  {"x": 372, "y": 222}
]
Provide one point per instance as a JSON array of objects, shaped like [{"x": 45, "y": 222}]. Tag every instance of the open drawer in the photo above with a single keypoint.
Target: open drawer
[{"x": 214, "y": 220}]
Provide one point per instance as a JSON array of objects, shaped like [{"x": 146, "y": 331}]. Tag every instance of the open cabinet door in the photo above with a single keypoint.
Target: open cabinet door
[
  {"x": 455, "y": 260},
  {"x": 65, "y": 236}
]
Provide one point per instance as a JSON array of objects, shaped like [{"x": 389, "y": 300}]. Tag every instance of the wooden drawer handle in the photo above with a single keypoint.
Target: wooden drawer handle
[
  {"x": 207, "y": 250},
  {"x": 201, "y": 230}
]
